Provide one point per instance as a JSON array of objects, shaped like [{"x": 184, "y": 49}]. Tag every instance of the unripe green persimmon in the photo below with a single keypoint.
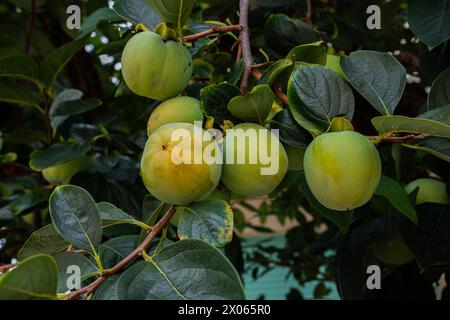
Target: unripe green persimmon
[
  {"x": 295, "y": 156},
  {"x": 156, "y": 69},
  {"x": 179, "y": 183},
  {"x": 246, "y": 179},
  {"x": 430, "y": 190},
  {"x": 342, "y": 169},
  {"x": 394, "y": 252},
  {"x": 63, "y": 173},
  {"x": 333, "y": 63},
  {"x": 179, "y": 109}
]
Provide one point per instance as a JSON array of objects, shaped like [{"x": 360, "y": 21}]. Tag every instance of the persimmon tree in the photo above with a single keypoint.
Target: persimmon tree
[{"x": 92, "y": 205}]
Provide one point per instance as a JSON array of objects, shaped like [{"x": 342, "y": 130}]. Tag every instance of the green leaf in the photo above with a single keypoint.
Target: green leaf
[
  {"x": 439, "y": 147},
  {"x": 189, "y": 269},
  {"x": 64, "y": 260},
  {"x": 313, "y": 53},
  {"x": 210, "y": 220},
  {"x": 377, "y": 76},
  {"x": 341, "y": 219},
  {"x": 214, "y": 100},
  {"x": 397, "y": 196},
  {"x": 69, "y": 108},
  {"x": 111, "y": 215},
  {"x": 430, "y": 240},
  {"x": 283, "y": 33},
  {"x": 53, "y": 64},
  {"x": 18, "y": 94},
  {"x": 277, "y": 68},
  {"x": 35, "y": 278},
  {"x": 255, "y": 107},
  {"x": 44, "y": 240},
  {"x": 137, "y": 11},
  {"x": 76, "y": 217},
  {"x": 57, "y": 154},
  {"x": 317, "y": 95},
  {"x": 29, "y": 200},
  {"x": 174, "y": 12},
  {"x": 439, "y": 95},
  {"x": 114, "y": 250},
  {"x": 58, "y": 102},
  {"x": 430, "y": 21},
  {"x": 108, "y": 289},
  {"x": 289, "y": 131},
  {"x": 20, "y": 66},
  {"x": 392, "y": 124},
  {"x": 102, "y": 14},
  {"x": 24, "y": 136}
]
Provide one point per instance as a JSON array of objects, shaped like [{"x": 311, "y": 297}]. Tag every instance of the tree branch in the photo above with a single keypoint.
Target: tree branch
[
  {"x": 308, "y": 12},
  {"x": 245, "y": 44},
  {"x": 398, "y": 139},
  {"x": 6, "y": 267},
  {"x": 90, "y": 288},
  {"x": 211, "y": 31}
]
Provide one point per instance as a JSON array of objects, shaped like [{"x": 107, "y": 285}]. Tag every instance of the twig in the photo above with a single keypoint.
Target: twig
[
  {"x": 308, "y": 12},
  {"x": 90, "y": 288},
  {"x": 398, "y": 139},
  {"x": 30, "y": 27},
  {"x": 6, "y": 267},
  {"x": 245, "y": 44},
  {"x": 211, "y": 31}
]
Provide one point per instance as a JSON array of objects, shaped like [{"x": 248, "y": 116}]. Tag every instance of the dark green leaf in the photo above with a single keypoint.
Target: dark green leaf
[
  {"x": 254, "y": 107},
  {"x": 189, "y": 269},
  {"x": 430, "y": 240},
  {"x": 18, "y": 94},
  {"x": 57, "y": 154},
  {"x": 439, "y": 95},
  {"x": 45, "y": 240},
  {"x": 24, "y": 136},
  {"x": 313, "y": 53},
  {"x": 112, "y": 215},
  {"x": 215, "y": 98},
  {"x": 283, "y": 33},
  {"x": 430, "y": 21},
  {"x": 317, "y": 95},
  {"x": 102, "y": 14},
  {"x": 439, "y": 147},
  {"x": 35, "y": 278},
  {"x": 58, "y": 102},
  {"x": 29, "y": 200},
  {"x": 290, "y": 132},
  {"x": 210, "y": 220},
  {"x": 137, "y": 11},
  {"x": 74, "y": 107},
  {"x": 64, "y": 260},
  {"x": 53, "y": 64},
  {"x": 174, "y": 12},
  {"x": 76, "y": 217},
  {"x": 393, "y": 124},
  {"x": 19, "y": 66},
  {"x": 108, "y": 289},
  {"x": 397, "y": 196},
  {"x": 272, "y": 73},
  {"x": 377, "y": 76}
]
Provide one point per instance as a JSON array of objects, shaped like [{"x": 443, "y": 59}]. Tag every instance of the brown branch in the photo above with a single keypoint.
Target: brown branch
[
  {"x": 6, "y": 267},
  {"x": 30, "y": 27},
  {"x": 90, "y": 288},
  {"x": 398, "y": 139},
  {"x": 308, "y": 12},
  {"x": 245, "y": 44},
  {"x": 211, "y": 31}
]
